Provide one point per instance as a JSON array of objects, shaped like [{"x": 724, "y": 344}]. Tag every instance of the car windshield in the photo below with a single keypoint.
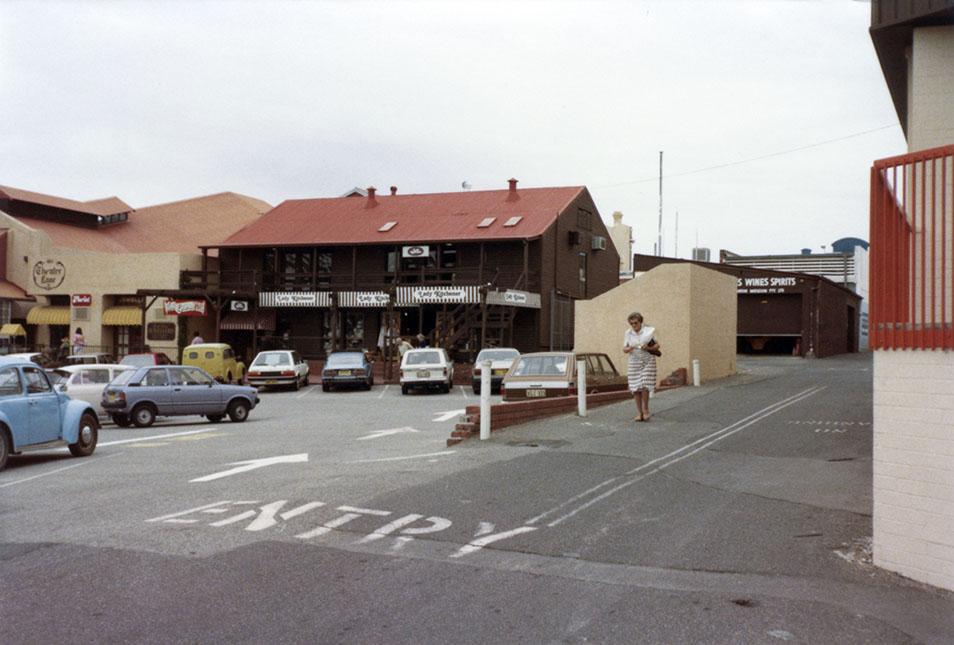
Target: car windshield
[
  {"x": 541, "y": 366},
  {"x": 138, "y": 360},
  {"x": 341, "y": 359},
  {"x": 497, "y": 355},
  {"x": 123, "y": 377},
  {"x": 58, "y": 376},
  {"x": 266, "y": 359},
  {"x": 422, "y": 358}
]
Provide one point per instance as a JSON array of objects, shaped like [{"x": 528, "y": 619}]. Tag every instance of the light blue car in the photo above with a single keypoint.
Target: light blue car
[{"x": 33, "y": 414}]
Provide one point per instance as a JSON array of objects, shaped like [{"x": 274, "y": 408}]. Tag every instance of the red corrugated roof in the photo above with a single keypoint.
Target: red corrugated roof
[
  {"x": 106, "y": 206},
  {"x": 177, "y": 227},
  {"x": 420, "y": 218}
]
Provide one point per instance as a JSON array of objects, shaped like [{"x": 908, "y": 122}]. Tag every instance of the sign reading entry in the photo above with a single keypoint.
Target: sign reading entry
[
  {"x": 184, "y": 307},
  {"x": 49, "y": 274}
]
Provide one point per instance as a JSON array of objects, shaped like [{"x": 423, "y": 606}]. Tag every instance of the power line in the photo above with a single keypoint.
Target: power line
[{"x": 751, "y": 159}]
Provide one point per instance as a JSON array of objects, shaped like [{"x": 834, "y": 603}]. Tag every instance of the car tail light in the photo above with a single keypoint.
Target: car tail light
[
  {"x": 476, "y": 370},
  {"x": 445, "y": 371},
  {"x": 253, "y": 373},
  {"x": 288, "y": 373}
]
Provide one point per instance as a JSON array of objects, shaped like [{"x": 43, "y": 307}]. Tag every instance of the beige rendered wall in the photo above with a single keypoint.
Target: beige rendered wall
[
  {"x": 693, "y": 310},
  {"x": 931, "y": 88}
]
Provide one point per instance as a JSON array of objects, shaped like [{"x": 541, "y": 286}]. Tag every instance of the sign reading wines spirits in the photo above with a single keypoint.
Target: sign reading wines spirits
[
  {"x": 184, "y": 307},
  {"x": 764, "y": 285}
]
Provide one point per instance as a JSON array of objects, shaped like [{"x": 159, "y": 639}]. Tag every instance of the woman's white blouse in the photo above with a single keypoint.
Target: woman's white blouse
[{"x": 642, "y": 337}]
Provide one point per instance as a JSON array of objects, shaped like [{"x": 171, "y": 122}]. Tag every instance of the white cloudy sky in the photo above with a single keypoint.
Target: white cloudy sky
[{"x": 159, "y": 101}]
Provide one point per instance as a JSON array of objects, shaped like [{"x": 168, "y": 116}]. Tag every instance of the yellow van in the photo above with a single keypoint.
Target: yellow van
[{"x": 217, "y": 359}]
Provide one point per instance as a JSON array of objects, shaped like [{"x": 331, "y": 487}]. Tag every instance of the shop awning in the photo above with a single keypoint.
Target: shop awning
[
  {"x": 245, "y": 320},
  {"x": 13, "y": 292},
  {"x": 122, "y": 316},
  {"x": 12, "y": 329},
  {"x": 47, "y": 315}
]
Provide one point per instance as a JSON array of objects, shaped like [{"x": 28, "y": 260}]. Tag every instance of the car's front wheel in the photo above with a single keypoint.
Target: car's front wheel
[
  {"x": 88, "y": 435},
  {"x": 143, "y": 416},
  {"x": 238, "y": 411},
  {"x": 122, "y": 420}
]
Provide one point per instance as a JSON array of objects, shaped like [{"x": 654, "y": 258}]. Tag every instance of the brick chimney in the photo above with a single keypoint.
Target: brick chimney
[
  {"x": 394, "y": 190},
  {"x": 513, "y": 185},
  {"x": 512, "y": 195},
  {"x": 372, "y": 202}
]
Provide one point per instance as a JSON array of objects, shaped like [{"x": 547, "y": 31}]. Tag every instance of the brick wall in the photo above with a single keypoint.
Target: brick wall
[{"x": 914, "y": 464}]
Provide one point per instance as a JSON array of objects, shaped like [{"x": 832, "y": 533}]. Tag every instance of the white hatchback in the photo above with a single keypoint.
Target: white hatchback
[
  {"x": 425, "y": 368},
  {"x": 278, "y": 367},
  {"x": 87, "y": 382}
]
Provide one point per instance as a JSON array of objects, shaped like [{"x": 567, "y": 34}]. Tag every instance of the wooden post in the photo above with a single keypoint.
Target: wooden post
[
  {"x": 354, "y": 268},
  {"x": 254, "y": 328},
  {"x": 483, "y": 317},
  {"x": 525, "y": 278},
  {"x": 335, "y": 322},
  {"x": 480, "y": 266}
]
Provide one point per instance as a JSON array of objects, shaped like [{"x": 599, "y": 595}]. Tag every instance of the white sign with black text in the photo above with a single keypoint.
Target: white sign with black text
[{"x": 421, "y": 251}]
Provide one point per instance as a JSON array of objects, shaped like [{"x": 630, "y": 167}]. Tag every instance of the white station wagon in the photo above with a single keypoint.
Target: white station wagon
[
  {"x": 87, "y": 382},
  {"x": 426, "y": 368}
]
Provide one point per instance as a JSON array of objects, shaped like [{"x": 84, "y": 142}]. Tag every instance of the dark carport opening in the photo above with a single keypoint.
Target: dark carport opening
[{"x": 769, "y": 345}]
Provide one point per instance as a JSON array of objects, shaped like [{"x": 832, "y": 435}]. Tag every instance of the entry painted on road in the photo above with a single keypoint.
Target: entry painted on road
[
  {"x": 830, "y": 427},
  {"x": 255, "y": 516}
]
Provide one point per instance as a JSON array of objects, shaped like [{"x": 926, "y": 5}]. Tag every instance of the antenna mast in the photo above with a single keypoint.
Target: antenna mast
[{"x": 659, "y": 246}]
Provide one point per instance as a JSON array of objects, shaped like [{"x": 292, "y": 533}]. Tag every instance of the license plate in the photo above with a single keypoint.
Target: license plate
[
  {"x": 499, "y": 372},
  {"x": 270, "y": 381},
  {"x": 536, "y": 394},
  {"x": 344, "y": 372},
  {"x": 423, "y": 374}
]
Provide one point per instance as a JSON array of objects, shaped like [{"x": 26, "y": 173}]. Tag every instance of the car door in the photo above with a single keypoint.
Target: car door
[
  {"x": 155, "y": 387},
  {"x": 194, "y": 391},
  {"x": 87, "y": 385},
  {"x": 15, "y": 405},
  {"x": 43, "y": 405}
]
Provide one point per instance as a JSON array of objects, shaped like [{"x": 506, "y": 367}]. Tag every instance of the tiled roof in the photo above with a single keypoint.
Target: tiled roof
[
  {"x": 419, "y": 218},
  {"x": 107, "y": 206},
  {"x": 178, "y": 227}
]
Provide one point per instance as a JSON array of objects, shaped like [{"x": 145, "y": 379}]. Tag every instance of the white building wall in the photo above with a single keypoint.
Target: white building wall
[{"x": 931, "y": 93}]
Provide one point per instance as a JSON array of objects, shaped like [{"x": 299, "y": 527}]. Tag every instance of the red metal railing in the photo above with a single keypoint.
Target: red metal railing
[{"x": 912, "y": 226}]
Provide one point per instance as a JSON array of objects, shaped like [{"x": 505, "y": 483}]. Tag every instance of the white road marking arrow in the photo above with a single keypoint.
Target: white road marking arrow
[
  {"x": 447, "y": 416},
  {"x": 383, "y": 433},
  {"x": 252, "y": 464}
]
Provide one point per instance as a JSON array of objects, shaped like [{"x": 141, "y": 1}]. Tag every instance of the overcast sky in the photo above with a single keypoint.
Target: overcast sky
[{"x": 156, "y": 102}]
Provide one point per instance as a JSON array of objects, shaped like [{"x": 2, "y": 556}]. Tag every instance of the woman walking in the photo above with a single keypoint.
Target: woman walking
[{"x": 638, "y": 342}]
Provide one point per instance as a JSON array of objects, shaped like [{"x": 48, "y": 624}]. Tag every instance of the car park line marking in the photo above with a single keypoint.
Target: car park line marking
[
  {"x": 478, "y": 544},
  {"x": 252, "y": 464},
  {"x": 429, "y": 454},
  {"x": 377, "y": 434},
  {"x": 58, "y": 470},
  {"x": 463, "y": 392},
  {"x": 447, "y": 416},
  {"x": 156, "y": 444},
  {"x": 158, "y": 436},
  {"x": 386, "y": 386},
  {"x": 305, "y": 392},
  {"x": 671, "y": 458}
]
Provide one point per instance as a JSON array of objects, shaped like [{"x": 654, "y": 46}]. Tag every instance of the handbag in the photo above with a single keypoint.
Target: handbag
[{"x": 655, "y": 351}]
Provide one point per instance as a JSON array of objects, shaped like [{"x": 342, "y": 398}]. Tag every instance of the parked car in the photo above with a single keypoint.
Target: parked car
[
  {"x": 426, "y": 368},
  {"x": 347, "y": 368},
  {"x": 87, "y": 382},
  {"x": 501, "y": 359},
  {"x": 278, "y": 367},
  {"x": 146, "y": 359},
  {"x": 33, "y": 357},
  {"x": 33, "y": 414},
  {"x": 95, "y": 357},
  {"x": 546, "y": 374},
  {"x": 139, "y": 396},
  {"x": 217, "y": 359}
]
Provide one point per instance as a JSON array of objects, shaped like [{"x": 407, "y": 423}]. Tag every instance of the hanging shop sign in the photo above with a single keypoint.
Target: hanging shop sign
[
  {"x": 764, "y": 285},
  {"x": 420, "y": 251},
  {"x": 294, "y": 299},
  {"x": 363, "y": 299},
  {"x": 514, "y": 298},
  {"x": 239, "y": 305},
  {"x": 184, "y": 307},
  {"x": 49, "y": 274},
  {"x": 437, "y": 295},
  {"x": 81, "y": 299}
]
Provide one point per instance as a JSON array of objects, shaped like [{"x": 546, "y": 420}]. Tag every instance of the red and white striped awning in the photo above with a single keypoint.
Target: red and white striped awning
[{"x": 246, "y": 320}]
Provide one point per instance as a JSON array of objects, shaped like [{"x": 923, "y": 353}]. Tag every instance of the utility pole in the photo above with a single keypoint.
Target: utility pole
[
  {"x": 675, "y": 252},
  {"x": 659, "y": 245}
]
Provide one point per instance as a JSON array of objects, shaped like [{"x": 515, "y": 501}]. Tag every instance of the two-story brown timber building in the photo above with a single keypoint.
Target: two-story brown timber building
[{"x": 466, "y": 270}]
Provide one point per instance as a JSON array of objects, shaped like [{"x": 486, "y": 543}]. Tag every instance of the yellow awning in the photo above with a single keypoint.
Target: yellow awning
[
  {"x": 122, "y": 316},
  {"x": 12, "y": 329},
  {"x": 44, "y": 315}
]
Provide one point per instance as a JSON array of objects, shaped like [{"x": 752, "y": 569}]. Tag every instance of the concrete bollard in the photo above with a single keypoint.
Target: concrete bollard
[
  {"x": 581, "y": 388},
  {"x": 485, "y": 399},
  {"x": 696, "y": 381}
]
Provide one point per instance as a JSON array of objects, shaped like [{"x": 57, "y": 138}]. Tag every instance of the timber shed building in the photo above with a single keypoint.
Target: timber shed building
[
  {"x": 466, "y": 270},
  {"x": 781, "y": 312}
]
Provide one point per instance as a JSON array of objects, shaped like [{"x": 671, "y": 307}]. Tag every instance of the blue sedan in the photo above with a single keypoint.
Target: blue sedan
[
  {"x": 34, "y": 415},
  {"x": 347, "y": 368},
  {"x": 139, "y": 396}
]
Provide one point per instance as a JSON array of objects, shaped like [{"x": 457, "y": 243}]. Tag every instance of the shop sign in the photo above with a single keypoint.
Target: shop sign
[
  {"x": 184, "y": 307},
  {"x": 81, "y": 299},
  {"x": 415, "y": 251},
  {"x": 438, "y": 296},
  {"x": 294, "y": 299},
  {"x": 514, "y": 298},
  {"x": 49, "y": 274},
  {"x": 239, "y": 305},
  {"x": 363, "y": 299},
  {"x": 764, "y": 285}
]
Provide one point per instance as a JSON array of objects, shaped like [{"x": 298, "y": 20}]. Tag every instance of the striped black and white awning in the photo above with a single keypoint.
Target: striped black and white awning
[
  {"x": 294, "y": 299},
  {"x": 363, "y": 299},
  {"x": 437, "y": 295}
]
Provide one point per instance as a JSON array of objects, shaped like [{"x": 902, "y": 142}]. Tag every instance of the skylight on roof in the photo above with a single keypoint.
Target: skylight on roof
[
  {"x": 387, "y": 226},
  {"x": 513, "y": 221},
  {"x": 487, "y": 221}
]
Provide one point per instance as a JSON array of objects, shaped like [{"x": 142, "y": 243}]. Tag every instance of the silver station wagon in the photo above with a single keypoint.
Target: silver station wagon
[{"x": 139, "y": 396}]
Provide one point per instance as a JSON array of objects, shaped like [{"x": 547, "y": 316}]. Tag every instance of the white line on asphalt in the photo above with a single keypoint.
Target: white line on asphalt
[
  {"x": 305, "y": 392},
  {"x": 430, "y": 454},
  {"x": 672, "y": 457},
  {"x": 386, "y": 386},
  {"x": 58, "y": 470},
  {"x": 448, "y": 415},
  {"x": 158, "y": 436},
  {"x": 463, "y": 392}
]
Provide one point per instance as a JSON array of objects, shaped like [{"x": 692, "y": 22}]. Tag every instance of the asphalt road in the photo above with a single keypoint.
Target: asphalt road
[{"x": 739, "y": 513}]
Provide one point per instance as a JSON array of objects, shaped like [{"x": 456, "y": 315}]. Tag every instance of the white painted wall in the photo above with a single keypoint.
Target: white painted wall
[{"x": 931, "y": 88}]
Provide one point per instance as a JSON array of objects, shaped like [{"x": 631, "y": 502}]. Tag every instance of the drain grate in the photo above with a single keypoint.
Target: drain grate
[
  {"x": 842, "y": 459},
  {"x": 538, "y": 443}
]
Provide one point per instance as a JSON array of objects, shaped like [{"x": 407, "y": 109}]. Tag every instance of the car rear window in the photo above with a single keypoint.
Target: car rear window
[
  {"x": 497, "y": 355},
  {"x": 138, "y": 360},
  {"x": 123, "y": 377},
  {"x": 541, "y": 366},
  {"x": 345, "y": 358},
  {"x": 272, "y": 358},
  {"x": 422, "y": 358}
]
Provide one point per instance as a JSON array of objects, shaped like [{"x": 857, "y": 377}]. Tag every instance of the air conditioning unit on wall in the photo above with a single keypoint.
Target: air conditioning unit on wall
[{"x": 599, "y": 243}]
